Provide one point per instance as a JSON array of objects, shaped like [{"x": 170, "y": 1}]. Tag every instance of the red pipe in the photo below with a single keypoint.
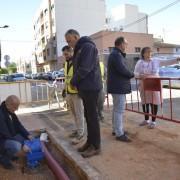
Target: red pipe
[{"x": 53, "y": 165}]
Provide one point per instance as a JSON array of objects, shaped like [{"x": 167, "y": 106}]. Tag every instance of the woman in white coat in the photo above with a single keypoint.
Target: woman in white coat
[{"x": 148, "y": 66}]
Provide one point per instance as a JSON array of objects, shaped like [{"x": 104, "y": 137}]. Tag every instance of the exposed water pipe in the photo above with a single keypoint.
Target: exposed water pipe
[{"x": 53, "y": 165}]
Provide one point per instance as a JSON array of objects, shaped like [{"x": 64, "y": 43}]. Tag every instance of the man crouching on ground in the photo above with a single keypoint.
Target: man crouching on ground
[{"x": 12, "y": 133}]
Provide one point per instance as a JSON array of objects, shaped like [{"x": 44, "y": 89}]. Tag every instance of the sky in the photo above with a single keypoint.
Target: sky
[{"x": 17, "y": 40}]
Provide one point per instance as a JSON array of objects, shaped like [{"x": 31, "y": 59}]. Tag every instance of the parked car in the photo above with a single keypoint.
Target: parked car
[
  {"x": 170, "y": 71},
  {"x": 28, "y": 76},
  {"x": 47, "y": 76},
  {"x": 15, "y": 77},
  {"x": 56, "y": 74}
]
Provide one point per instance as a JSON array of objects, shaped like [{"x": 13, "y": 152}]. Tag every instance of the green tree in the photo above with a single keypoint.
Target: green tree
[
  {"x": 3, "y": 71},
  {"x": 12, "y": 68}
]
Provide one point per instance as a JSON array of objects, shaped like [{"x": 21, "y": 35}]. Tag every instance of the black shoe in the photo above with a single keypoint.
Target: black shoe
[
  {"x": 84, "y": 147},
  {"x": 91, "y": 151},
  {"x": 123, "y": 138},
  {"x": 113, "y": 133},
  {"x": 14, "y": 158},
  {"x": 6, "y": 163}
]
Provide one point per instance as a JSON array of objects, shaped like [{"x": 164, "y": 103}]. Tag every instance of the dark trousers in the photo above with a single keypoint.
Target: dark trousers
[
  {"x": 90, "y": 112},
  {"x": 154, "y": 110}
]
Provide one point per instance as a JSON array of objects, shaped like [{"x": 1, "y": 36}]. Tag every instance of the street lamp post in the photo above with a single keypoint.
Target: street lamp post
[{"x": 3, "y": 27}]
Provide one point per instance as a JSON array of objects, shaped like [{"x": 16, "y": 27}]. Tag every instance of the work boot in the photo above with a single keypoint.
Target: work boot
[
  {"x": 84, "y": 147},
  {"x": 73, "y": 134},
  {"x": 91, "y": 151},
  {"x": 77, "y": 139}
]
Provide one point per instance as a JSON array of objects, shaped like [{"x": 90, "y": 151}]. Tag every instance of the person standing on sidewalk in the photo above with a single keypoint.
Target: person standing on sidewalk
[
  {"x": 118, "y": 84},
  {"x": 87, "y": 79},
  {"x": 73, "y": 99}
]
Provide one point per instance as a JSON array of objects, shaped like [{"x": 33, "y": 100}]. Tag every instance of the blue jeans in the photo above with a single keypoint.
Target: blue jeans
[
  {"x": 14, "y": 146},
  {"x": 118, "y": 111}
]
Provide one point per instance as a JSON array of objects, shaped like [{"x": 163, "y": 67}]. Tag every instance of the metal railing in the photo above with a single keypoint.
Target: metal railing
[{"x": 170, "y": 97}]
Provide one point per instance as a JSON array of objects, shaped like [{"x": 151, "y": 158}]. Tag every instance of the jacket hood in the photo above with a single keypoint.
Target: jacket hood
[{"x": 81, "y": 41}]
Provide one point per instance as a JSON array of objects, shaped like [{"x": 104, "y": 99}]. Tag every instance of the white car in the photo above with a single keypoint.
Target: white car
[{"x": 56, "y": 74}]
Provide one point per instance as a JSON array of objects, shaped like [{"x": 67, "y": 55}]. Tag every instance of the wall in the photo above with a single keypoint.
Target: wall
[
  {"x": 105, "y": 39},
  {"x": 86, "y": 16}
]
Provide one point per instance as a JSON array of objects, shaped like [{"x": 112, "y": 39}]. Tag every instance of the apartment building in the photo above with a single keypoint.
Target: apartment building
[
  {"x": 127, "y": 18},
  {"x": 54, "y": 18},
  {"x": 45, "y": 37}
]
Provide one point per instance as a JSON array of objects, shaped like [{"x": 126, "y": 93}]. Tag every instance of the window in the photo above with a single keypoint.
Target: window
[
  {"x": 137, "y": 49},
  {"x": 45, "y": 11},
  {"x": 110, "y": 49},
  {"x": 42, "y": 29},
  {"x": 54, "y": 49},
  {"x": 52, "y": 6},
  {"x": 48, "y": 52},
  {"x": 177, "y": 49},
  {"x": 46, "y": 24},
  {"x": 43, "y": 40},
  {"x": 44, "y": 54}
]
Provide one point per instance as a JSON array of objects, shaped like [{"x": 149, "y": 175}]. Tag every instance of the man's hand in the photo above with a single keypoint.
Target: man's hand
[
  {"x": 30, "y": 137},
  {"x": 26, "y": 149}
]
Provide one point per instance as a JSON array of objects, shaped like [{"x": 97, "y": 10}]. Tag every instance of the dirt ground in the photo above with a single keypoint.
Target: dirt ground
[
  {"x": 42, "y": 173},
  {"x": 152, "y": 155}
]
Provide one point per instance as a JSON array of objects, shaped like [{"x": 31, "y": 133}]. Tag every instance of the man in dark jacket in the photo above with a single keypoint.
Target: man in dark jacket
[
  {"x": 87, "y": 79},
  {"x": 118, "y": 84},
  {"x": 12, "y": 132}
]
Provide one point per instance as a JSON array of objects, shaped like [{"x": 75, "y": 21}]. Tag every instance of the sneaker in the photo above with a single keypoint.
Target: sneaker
[
  {"x": 152, "y": 125},
  {"x": 91, "y": 151},
  {"x": 84, "y": 147},
  {"x": 77, "y": 139},
  {"x": 144, "y": 123},
  {"x": 73, "y": 134},
  {"x": 123, "y": 138},
  {"x": 6, "y": 163}
]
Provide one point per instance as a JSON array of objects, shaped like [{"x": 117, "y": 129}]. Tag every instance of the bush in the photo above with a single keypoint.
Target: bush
[{"x": 3, "y": 71}]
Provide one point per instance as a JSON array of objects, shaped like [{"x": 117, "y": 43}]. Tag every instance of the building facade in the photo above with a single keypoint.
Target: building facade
[
  {"x": 54, "y": 18},
  {"x": 104, "y": 41},
  {"x": 127, "y": 18}
]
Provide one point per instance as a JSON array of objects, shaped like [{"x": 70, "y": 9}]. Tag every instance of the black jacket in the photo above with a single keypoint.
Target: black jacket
[
  {"x": 86, "y": 66},
  {"x": 10, "y": 128},
  {"x": 118, "y": 81}
]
